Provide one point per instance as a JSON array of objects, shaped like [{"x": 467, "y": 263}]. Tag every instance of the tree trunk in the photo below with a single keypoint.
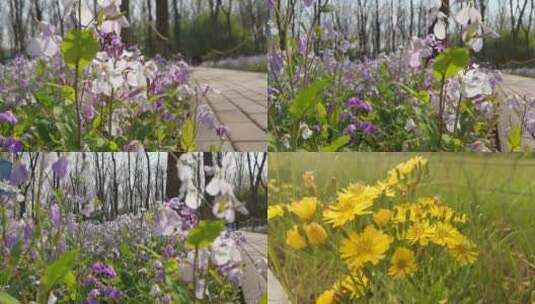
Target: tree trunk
[
  {"x": 147, "y": 199},
  {"x": 125, "y": 32},
  {"x": 162, "y": 26},
  {"x": 172, "y": 183}
]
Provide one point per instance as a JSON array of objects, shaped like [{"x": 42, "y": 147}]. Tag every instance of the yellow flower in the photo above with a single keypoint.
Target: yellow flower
[
  {"x": 352, "y": 202},
  {"x": 327, "y": 297},
  {"x": 316, "y": 235},
  {"x": 275, "y": 211},
  {"x": 354, "y": 285},
  {"x": 369, "y": 246},
  {"x": 417, "y": 213},
  {"x": 308, "y": 180},
  {"x": 446, "y": 234},
  {"x": 420, "y": 232},
  {"x": 305, "y": 208},
  {"x": 382, "y": 217},
  {"x": 294, "y": 238},
  {"x": 463, "y": 251},
  {"x": 402, "y": 263}
]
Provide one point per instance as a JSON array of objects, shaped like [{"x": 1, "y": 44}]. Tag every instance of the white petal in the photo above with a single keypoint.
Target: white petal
[
  {"x": 440, "y": 29},
  {"x": 35, "y": 47}
]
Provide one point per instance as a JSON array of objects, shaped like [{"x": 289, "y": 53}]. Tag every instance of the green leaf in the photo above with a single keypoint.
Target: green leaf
[
  {"x": 307, "y": 98},
  {"x": 514, "y": 139},
  {"x": 263, "y": 299},
  {"x": 56, "y": 272},
  {"x": 451, "y": 62},
  {"x": 188, "y": 136},
  {"x": 7, "y": 299},
  {"x": 336, "y": 144},
  {"x": 205, "y": 233},
  {"x": 68, "y": 94},
  {"x": 79, "y": 47}
]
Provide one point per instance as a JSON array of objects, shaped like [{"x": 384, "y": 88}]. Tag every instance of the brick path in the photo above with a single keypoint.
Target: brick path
[
  {"x": 511, "y": 85},
  {"x": 241, "y": 105},
  {"x": 254, "y": 284}
]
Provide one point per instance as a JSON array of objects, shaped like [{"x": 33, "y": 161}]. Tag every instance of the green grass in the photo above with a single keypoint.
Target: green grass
[{"x": 496, "y": 191}]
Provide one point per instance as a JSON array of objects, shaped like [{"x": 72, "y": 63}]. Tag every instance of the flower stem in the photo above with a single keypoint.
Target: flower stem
[{"x": 441, "y": 111}]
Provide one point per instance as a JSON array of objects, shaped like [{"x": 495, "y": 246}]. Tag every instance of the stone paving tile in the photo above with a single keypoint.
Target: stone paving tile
[
  {"x": 251, "y": 146},
  {"x": 260, "y": 119},
  {"x": 276, "y": 294},
  {"x": 254, "y": 284},
  {"x": 244, "y": 131},
  {"x": 240, "y": 104},
  {"x": 512, "y": 85},
  {"x": 228, "y": 117}
]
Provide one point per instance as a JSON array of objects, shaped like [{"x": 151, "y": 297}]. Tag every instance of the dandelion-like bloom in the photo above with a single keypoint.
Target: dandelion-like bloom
[
  {"x": 327, "y": 297},
  {"x": 352, "y": 202},
  {"x": 403, "y": 263},
  {"x": 445, "y": 234},
  {"x": 382, "y": 217},
  {"x": 420, "y": 232},
  {"x": 463, "y": 251},
  {"x": 353, "y": 285},
  {"x": 275, "y": 211},
  {"x": 315, "y": 233},
  {"x": 369, "y": 246},
  {"x": 305, "y": 208},
  {"x": 294, "y": 238}
]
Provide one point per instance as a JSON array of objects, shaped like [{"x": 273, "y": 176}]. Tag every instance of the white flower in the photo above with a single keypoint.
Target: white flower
[
  {"x": 109, "y": 73},
  {"x": 468, "y": 15},
  {"x": 46, "y": 43},
  {"x": 114, "y": 20},
  {"x": 476, "y": 83},
  {"x": 306, "y": 133},
  {"x": 410, "y": 125}
]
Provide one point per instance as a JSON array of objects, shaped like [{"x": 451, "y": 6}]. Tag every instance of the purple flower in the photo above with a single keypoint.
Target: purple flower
[
  {"x": 90, "y": 282},
  {"x": 19, "y": 174},
  {"x": 112, "y": 293},
  {"x": 54, "y": 215},
  {"x": 346, "y": 116},
  {"x": 10, "y": 144},
  {"x": 358, "y": 104},
  {"x": 302, "y": 46},
  {"x": 352, "y": 128},
  {"x": 308, "y": 3},
  {"x": 276, "y": 63},
  {"x": 221, "y": 131},
  {"x": 8, "y": 117},
  {"x": 60, "y": 167},
  {"x": 367, "y": 127},
  {"x": 103, "y": 269}
]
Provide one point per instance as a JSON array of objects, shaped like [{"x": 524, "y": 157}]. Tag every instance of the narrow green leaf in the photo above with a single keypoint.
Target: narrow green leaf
[
  {"x": 514, "y": 139},
  {"x": 56, "y": 272},
  {"x": 7, "y": 299},
  {"x": 307, "y": 98},
  {"x": 188, "y": 136},
  {"x": 337, "y": 144}
]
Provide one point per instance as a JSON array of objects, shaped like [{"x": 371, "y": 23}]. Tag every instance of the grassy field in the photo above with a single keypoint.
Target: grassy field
[{"x": 495, "y": 191}]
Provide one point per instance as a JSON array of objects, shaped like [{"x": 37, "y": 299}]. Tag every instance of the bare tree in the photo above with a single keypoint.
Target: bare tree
[{"x": 162, "y": 27}]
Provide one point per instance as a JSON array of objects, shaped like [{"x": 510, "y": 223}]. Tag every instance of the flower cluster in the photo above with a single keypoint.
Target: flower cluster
[{"x": 377, "y": 230}]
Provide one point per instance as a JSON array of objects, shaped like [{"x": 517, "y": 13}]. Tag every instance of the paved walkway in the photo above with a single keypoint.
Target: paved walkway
[
  {"x": 512, "y": 85},
  {"x": 240, "y": 104},
  {"x": 254, "y": 251}
]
